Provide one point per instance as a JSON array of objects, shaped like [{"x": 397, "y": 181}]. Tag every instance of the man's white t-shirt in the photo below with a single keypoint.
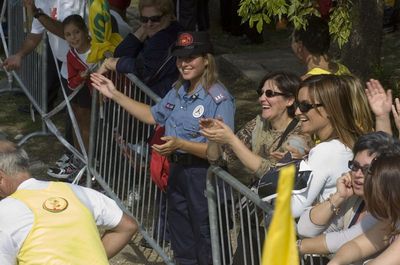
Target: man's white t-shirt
[
  {"x": 58, "y": 10},
  {"x": 16, "y": 218}
]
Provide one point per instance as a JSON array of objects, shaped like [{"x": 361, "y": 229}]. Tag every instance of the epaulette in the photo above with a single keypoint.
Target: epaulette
[{"x": 218, "y": 92}]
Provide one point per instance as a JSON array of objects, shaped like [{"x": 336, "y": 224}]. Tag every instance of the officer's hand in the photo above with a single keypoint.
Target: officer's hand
[
  {"x": 11, "y": 63},
  {"x": 219, "y": 132},
  {"x": 171, "y": 145},
  {"x": 103, "y": 84}
]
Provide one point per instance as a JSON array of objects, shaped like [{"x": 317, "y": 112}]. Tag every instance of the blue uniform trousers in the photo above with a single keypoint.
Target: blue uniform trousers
[{"x": 188, "y": 214}]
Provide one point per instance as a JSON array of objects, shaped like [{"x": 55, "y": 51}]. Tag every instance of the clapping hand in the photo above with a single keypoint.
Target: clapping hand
[{"x": 216, "y": 130}]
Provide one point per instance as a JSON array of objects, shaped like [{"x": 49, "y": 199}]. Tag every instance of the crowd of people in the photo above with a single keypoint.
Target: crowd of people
[{"x": 336, "y": 128}]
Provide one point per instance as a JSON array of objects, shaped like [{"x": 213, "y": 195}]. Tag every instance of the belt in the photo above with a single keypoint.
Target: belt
[{"x": 186, "y": 159}]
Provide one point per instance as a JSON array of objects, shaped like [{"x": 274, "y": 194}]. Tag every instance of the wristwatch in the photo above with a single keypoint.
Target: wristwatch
[{"x": 38, "y": 12}]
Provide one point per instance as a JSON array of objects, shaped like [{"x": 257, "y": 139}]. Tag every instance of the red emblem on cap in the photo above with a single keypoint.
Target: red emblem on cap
[{"x": 185, "y": 39}]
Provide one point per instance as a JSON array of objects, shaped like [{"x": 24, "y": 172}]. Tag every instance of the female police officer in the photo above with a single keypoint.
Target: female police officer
[{"x": 197, "y": 94}]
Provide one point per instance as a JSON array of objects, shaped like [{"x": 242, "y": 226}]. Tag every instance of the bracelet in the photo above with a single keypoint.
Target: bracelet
[
  {"x": 298, "y": 244},
  {"x": 334, "y": 209}
]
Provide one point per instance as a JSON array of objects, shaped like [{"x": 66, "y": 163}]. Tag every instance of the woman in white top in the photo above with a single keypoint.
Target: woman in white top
[{"x": 325, "y": 110}]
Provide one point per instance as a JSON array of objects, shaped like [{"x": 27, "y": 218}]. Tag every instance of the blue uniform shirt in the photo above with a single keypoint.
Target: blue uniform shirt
[{"x": 180, "y": 113}]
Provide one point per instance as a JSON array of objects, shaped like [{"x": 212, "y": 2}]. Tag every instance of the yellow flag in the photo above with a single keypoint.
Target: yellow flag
[
  {"x": 100, "y": 29},
  {"x": 280, "y": 244}
]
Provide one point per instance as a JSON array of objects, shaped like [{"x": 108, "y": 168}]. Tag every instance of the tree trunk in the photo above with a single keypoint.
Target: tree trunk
[{"x": 363, "y": 51}]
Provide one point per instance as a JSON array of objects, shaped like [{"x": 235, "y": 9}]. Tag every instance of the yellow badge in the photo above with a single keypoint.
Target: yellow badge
[{"x": 55, "y": 204}]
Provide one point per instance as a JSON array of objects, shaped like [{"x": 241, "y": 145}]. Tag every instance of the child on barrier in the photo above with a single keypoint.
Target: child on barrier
[
  {"x": 197, "y": 94},
  {"x": 77, "y": 35},
  {"x": 331, "y": 223},
  {"x": 382, "y": 196}
]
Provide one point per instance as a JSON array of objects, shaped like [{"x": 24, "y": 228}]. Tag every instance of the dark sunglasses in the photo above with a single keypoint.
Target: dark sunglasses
[
  {"x": 153, "y": 19},
  {"x": 306, "y": 107},
  {"x": 269, "y": 93},
  {"x": 355, "y": 166}
]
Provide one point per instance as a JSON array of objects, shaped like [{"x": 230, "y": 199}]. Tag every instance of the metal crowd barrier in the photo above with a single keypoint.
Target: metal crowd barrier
[
  {"x": 31, "y": 79},
  {"x": 32, "y": 74},
  {"x": 238, "y": 222},
  {"x": 119, "y": 160}
]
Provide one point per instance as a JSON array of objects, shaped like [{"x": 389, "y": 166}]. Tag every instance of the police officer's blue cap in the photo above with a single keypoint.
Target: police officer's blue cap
[{"x": 191, "y": 43}]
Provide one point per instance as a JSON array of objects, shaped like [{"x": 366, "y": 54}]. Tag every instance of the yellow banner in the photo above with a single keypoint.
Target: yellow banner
[
  {"x": 280, "y": 244},
  {"x": 103, "y": 39}
]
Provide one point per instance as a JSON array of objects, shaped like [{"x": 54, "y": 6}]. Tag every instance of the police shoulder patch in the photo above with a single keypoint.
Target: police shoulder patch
[{"x": 218, "y": 93}]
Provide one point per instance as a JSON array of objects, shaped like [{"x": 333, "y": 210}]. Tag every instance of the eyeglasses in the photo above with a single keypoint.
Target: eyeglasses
[
  {"x": 306, "y": 107},
  {"x": 355, "y": 166},
  {"x": 269, "y": 93},
  {"x": 153, "y": 19}
]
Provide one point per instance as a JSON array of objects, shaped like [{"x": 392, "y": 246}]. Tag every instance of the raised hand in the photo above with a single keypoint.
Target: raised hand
[
  {"x": 379, "y": 100},
  {"x": 103, "y": 84},
  {"x": 396, "y": 113}
]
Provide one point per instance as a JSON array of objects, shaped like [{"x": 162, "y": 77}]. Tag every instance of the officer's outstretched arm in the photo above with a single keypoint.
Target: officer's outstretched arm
[
  {"x": 115, "y": 240},
  {"x": 137, "y": 109}
]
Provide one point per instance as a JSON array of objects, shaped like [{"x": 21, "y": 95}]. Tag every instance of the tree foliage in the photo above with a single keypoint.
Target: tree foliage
[{"x": 259, "y": 12}]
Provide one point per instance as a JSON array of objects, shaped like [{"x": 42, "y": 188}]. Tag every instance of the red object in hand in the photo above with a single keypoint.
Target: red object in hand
[{"x": 159, "y": 164}]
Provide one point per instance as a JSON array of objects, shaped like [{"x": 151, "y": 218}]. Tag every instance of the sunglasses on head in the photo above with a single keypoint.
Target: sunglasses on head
[
  {"x": 269, "y": 93},
  {"x": 355, "y": 166},
  {"x": 153, "y": 19},
  {"x": 306, "y": 107}
]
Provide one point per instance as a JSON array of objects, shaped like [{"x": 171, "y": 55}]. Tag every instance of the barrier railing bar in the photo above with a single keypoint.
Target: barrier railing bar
[
  {"x": 149, "y": 239},
  {"x": 237, "y": 185},
  {"x": 212, "y": 214}
]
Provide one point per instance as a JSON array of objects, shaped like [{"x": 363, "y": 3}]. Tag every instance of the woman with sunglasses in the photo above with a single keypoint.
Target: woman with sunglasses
[
  {"x": 261, "y": 137},
  {"x": 145, "y": 52},
  {"x": 332, "y": 223},
  {"x": 382, "y": 196},
  {"x": 325, "y": 109}
]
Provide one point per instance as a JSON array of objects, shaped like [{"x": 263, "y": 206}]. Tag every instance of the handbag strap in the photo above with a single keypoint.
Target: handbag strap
[
  {"x": 155, "y": 76},
  {"x": 288, "y": 129}
]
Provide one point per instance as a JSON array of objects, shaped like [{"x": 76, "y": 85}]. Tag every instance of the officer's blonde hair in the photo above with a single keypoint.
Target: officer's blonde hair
[{"x": 210, "y": 74}]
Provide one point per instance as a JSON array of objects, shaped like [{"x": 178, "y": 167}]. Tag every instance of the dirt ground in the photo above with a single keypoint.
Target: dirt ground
[{"x": 45, "y": 150}]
